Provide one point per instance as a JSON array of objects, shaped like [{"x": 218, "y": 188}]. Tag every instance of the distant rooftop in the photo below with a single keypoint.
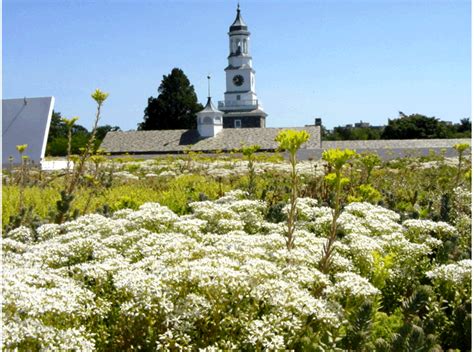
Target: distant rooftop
[{"x": 178, "y": 141}]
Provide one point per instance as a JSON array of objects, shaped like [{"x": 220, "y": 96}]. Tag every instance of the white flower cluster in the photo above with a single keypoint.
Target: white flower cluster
[
  {"x": 349, "y": 284},
  {"x": 125, "y": 175},
  {"x": 457, "y": 274},
  {"x": 43, "y": 307},
  {"x": 424, "y": 228},
  {"x": 223, "y": 268},
  {"x": 215, "y": 168}
]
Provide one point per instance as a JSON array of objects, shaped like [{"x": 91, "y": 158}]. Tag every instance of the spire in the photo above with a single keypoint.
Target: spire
[
  {"x": 209, "y": 105},
  {"x": 239, "y": 24},
  {"x": 209, "y": 87}
]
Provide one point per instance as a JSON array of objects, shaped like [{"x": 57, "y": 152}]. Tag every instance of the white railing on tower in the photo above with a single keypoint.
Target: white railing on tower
[{"x": 252, "y": 103}]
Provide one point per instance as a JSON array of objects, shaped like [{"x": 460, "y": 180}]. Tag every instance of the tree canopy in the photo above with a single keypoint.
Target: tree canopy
[
  {"x": 417, "y": 126},
  {"x": 341, "y": 133},
  {"x": 58, "y": 136},
  {"x": 175, "y": 107},
  {"x": 414, "y": 126}
]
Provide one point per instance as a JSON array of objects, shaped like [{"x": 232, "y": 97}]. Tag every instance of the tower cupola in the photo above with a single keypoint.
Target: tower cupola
[
  {"x": 209, "y": 119},
  {"x": 239, "y": 41}
]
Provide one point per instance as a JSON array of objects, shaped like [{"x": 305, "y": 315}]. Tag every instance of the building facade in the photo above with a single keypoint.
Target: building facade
[{"x": 241, "y": 107}]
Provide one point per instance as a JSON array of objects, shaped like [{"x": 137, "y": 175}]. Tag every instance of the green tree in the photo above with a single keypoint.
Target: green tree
[
  {"x": 58, "y": 136},
  {"x": 464, "y": 126},
  {"x": 415, "y": 126},
  {"x": 175, "y": 107},
  {"x": 341, "y": 133},
  {"x": 57, "y": 127}
]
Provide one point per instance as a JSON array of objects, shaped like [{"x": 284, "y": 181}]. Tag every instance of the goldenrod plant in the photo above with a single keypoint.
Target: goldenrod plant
[
  {"x": 336, "y": 159},
  {"x": 23, "y": 170},
  {"x": 249, "y": 153},
  {"x": 291, "y": 141},
  {"x": 460, "y": 148},
  {"x": 69, "y": 125},
  {"x": 67, "y": 195}
]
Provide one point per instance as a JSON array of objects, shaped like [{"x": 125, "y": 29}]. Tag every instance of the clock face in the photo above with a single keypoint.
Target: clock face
[{"x": 238, "y": 80}]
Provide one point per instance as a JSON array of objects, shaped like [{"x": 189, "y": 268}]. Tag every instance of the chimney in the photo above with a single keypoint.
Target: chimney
[{"x": 317, "y": 121}]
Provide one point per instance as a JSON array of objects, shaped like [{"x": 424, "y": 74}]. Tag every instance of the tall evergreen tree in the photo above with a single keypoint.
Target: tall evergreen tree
[{"x": 175, "y": 107}]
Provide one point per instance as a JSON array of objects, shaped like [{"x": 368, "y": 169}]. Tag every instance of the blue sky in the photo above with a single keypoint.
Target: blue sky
[{"x": 343, "y": 61}]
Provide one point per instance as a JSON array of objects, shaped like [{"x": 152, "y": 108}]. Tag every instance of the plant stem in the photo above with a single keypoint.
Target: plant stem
[
  {"x": 328, "y": 248},
  {"x": 458, "y": 173},
  {"x": 69, "y": 143},
  {"x": 291, "y": 222},
  {"x": 87, "y": 151},
  {"x": 67, "y": 194},
  {"x": 22, "y": 181},
  {"x": 251, "y": 168}
]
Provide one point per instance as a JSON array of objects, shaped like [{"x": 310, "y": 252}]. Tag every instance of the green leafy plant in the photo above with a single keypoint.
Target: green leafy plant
[
  {"x": 336, "y": 159},
  {"x": 291, "y": 141},
  {"x": 23, "y": 172},
  {"x": 369, "y": 162},
  {"x": 460, "y": 148},
  {"x": 67, "y": 195},
  {"x": 357, "y": 337},
  {"x": 365, "y": 193},
  {"x": 69, "y": 125},
  {"x": 248, "y": 152},
  {"x": 417, "y": 331}
]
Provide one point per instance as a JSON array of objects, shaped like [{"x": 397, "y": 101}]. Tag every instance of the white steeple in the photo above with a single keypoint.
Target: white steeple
[
  {"x": 240, "y": 92},
  {"x": 209, "y": 120}
]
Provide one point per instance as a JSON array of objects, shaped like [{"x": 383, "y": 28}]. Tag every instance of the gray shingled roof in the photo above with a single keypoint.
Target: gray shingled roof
[
  {"x": 395, "y": 143},
  {"x": 175, "y": 141}
]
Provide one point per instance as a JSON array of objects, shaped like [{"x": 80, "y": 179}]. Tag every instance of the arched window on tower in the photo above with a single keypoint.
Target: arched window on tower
[
  {"x": 245, "y": 47},
  {"x": 239, "y": 47}
]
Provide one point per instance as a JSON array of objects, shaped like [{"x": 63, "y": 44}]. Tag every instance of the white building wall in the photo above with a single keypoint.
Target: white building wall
[{"x": 209, "y": 130}]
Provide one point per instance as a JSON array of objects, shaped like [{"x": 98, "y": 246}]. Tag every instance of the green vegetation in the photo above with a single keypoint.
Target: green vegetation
[
  {"x": 348, "y": 133},
  {"x": 175, "y": 107},
  {"x": 59, "y": 142},
  {"x": 337, "y": 160},
  {"x": 414, "y": 126},
  {"x": 249, "y": 153},
  {"x": 291, "y": 141},
  {"x": 418, "y": 126},
  {"x": 240, "y": 252}
]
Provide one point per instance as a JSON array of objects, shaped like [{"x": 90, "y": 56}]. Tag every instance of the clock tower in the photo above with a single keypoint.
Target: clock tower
[{"x": 241, "y": 107}]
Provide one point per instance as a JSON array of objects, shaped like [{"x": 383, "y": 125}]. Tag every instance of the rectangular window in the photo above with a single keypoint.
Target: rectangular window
[
  {"x": 238, "y": 97},
  {"x": 237, "y": 124}
]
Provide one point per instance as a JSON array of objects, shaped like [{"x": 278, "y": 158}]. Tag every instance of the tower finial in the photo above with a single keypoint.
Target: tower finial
[
  {"x": 238, "y": 6},
  {"x": 209, "y": 86}
]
